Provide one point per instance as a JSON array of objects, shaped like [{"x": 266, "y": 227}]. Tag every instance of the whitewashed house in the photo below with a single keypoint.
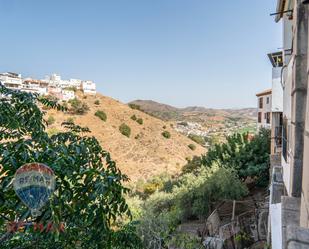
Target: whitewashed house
[
  {"x": 34, "y": 86},
  {"x": 11, "y": 80},
  {"x": 88, "y": 87},
  {"x": 67, "y": 95},
  {"x": 264, "y": 109},
  {"x": 75, "y": 83}
]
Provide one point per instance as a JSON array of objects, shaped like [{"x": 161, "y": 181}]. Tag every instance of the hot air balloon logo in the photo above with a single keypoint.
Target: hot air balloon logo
[{"x": 34, "y": 183}]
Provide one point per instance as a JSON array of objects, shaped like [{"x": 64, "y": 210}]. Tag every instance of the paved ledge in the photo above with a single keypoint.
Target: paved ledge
[
  {"x": 297, "y": 238},
  {"x": 277, "y": 185},
  {"x": 290, "y": 220}
]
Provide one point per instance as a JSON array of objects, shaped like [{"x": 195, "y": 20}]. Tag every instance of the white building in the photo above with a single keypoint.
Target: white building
[
  {"x": 264, "y": 109},
  {"x": 11, "y": 80},
  {"x": 88, "y": 87},
  {"x": 276, "y": 60},
  {"x": 52, "y": 85},
  {"x": 34, "y": 86},
  {"x": 75, "y": 83},
  {"x": 67, "y": 94}
]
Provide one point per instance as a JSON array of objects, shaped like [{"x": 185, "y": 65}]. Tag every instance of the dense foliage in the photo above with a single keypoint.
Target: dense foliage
[
  {"x": 248, "y": 157},
  {"x": 89, "y": 194},
  {"x": 190, "y": 196}
]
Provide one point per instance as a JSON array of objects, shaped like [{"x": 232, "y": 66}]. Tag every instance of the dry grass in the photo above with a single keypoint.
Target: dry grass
[{"x": 142, "y": 157}]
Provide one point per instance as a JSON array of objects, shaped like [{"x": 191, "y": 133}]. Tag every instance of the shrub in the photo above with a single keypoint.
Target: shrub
[
  {"x": 53, "y": 131},
  {"x": 133, "y": 117},
  {"x": 101, "y": 115},
  {"x": 51, "y": 120},
  {"x": 97, "y": 102},
  {"x": 198, "y": 139},
  {"x": 70, "y": 120},
  {"x": 164, "y": 127},
  {"x": 125, "y": 130},
  {"x": 78, "y": 107},
  {"x": 71, "y": 88},
  {"x": 193, "y": 165},
  {"x": 192, "y": 146},
  {"x": 134, "y": 106},
  {"x": 166, "y": 134},
  {"x": 140, "y": 121}
]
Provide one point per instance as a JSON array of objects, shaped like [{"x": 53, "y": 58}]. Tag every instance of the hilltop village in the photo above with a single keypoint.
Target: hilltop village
[{"x": 52, "y": 85}]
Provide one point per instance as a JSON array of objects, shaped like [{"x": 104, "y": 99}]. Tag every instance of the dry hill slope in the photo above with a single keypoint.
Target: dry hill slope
[
  {"x": 196, "y": 113},
  {"x": 141, "y": 157}
]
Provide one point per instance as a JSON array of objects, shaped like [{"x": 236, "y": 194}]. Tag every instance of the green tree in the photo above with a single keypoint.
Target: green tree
[
  {"x": 89, "y": 194},
  {"x": 250, "y": 158}
]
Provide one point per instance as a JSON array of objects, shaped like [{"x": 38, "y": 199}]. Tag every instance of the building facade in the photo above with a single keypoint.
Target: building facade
[
  {"x": 50, "y": 85},
  {"x": 11, "y": 80},
  {"x": 264, "y": 100},
  {"x": 289, "y": 189}
]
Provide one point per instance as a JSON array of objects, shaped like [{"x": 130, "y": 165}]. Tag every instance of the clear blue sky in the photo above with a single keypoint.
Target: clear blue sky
[{"x": 180, "y": 52}]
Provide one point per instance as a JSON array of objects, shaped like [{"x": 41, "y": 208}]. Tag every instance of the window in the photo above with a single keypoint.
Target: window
[
  {"x": 261, "y": 103},
  {"x": 267, "y": 100},
  {"x": 268, "y": 117},
  {"x": 284, "y": 139},
  {"x": 260, "y": 117}
]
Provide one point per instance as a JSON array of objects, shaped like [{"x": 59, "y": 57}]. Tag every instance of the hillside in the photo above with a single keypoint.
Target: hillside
[
  {"x": 146, "y": 152},
  {"x": 192, "y": 113}
]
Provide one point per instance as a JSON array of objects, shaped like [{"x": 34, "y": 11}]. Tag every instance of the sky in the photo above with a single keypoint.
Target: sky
[{"x": 179, "y": 52}]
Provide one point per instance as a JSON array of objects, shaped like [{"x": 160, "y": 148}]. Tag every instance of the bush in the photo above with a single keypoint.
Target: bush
[
  {"x": 51, "y": 120},
  {"x": 166, "y": 134},
  {"x": 198, "y": 139},
  {"x": 101, "y": 115},
  {"x": 193, "y": 165},
  {"x": 97, "y": 102},
  {"x": 192, "y": 146},
  {"x": 134, "y": 106},
  {"x": 78, "y": 107},
  {"x": 140, "y": 121},
  {"x": 53, "y": 131},
  {"x": 133, "y": 117},
  {"x": 71, "y": 88},
  {"x": 125, "y": 130},
  {"x": 70, "y": 120}
]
